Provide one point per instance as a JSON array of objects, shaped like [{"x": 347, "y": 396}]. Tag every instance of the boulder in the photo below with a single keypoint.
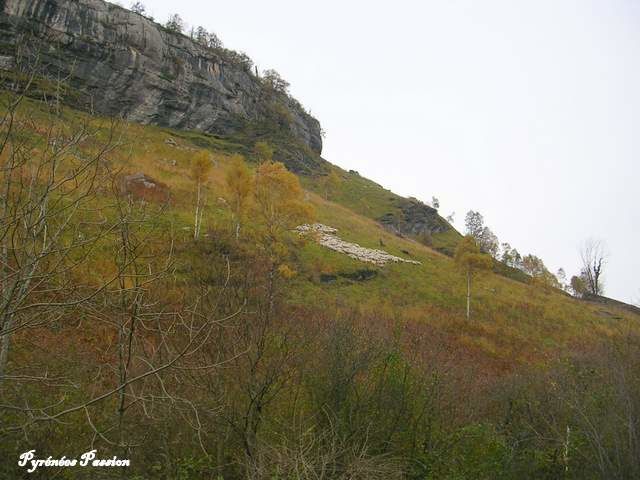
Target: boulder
[{"x": 142, "y": 187}]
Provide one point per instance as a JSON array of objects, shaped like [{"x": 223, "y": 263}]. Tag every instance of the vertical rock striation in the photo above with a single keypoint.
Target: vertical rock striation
[{"x": 125, "y": 64}]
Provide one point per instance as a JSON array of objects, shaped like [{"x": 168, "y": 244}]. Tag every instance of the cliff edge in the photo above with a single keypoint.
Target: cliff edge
[{"x": 124, "y": 64}]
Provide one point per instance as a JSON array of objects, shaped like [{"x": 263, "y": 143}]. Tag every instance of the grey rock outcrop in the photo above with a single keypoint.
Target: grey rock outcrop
[
  {"x": 125, "y": 64},
  {"x": 414, "y": 218}
]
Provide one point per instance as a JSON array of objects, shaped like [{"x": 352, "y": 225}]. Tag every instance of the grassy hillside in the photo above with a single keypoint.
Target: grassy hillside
[
  {"x": 266, "y": 355},
  {"x": 513, "y": 321}
]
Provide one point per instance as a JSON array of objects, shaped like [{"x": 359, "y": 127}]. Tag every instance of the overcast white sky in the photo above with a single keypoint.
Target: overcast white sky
[{"x": 524, "y": 110}]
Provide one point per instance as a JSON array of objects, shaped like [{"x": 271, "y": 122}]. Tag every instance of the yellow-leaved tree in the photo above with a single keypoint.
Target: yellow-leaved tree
[
  {"x": 279, "y": 207},
  {"x": 330, "y": 184},
  {"x": 263, "y": 151},
  {"x": 275, "y": 205},
  {"x": 240, "y": 186},
  {"x": 471, "y": 261},
  {"x": 279, "y": 198}
]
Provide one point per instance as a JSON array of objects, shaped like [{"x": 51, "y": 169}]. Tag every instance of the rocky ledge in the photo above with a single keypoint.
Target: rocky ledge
[{"x": 414, "y": 218}]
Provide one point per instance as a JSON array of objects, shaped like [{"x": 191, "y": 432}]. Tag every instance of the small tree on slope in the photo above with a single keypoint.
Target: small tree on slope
[
  {"x": 239, "y": 183},
  {"x": 200, "y": 169},
  {"x": 593, "y": 254},
  {"x": 471, "y": 261}
]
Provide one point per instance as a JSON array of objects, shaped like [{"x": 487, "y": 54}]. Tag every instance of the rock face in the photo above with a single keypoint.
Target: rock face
[
  {"x": 326, "y": 236},
  {"x": 415, "y": 218},
  {"x": 125, "y": 64}
]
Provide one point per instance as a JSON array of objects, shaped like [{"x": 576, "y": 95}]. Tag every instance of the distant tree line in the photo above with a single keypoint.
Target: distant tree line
[
  {"x": 175, "y": 23},
  {"x": 593, "y": 257}
]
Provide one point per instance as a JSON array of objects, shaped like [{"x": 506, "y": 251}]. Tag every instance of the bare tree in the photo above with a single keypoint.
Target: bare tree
[
  {"x": 451, "y": 218},
  {"x": 54, "y": 218},
  {"x": 138, "y": 7},
  {"x": 593, "y": 255},
  {"x": 47, "y": 184}
]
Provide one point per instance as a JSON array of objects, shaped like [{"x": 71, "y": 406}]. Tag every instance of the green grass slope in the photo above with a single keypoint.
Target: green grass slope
[{"x": 512, "y": 322}]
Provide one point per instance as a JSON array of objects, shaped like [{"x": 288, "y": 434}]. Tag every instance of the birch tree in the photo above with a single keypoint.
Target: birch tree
[
  {"x": 239, "y": 184},
  {"x": 469, "y": 258},
  {"x": 200, "y": 169}
]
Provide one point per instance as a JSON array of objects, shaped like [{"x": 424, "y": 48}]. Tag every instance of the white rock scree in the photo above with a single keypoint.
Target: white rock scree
[{"x": 326, "y": 236}]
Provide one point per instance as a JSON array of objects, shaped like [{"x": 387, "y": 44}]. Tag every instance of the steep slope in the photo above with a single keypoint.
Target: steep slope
[
  {"x": 364, "y": 347},
  {"x": 245, "y": 349},
  {"x": 513, "y": 323},
  {"x": 405, "y": 217},
  {"x": 122, "y": 64}
]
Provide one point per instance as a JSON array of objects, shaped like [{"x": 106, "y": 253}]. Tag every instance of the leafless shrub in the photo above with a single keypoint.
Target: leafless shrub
[{"x": 307, "y": 452}]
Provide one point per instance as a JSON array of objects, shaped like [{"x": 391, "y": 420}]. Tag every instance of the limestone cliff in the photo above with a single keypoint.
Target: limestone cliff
[
  {"x": 125, "y": 64},
  {"x": 120, "y": 63}
]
